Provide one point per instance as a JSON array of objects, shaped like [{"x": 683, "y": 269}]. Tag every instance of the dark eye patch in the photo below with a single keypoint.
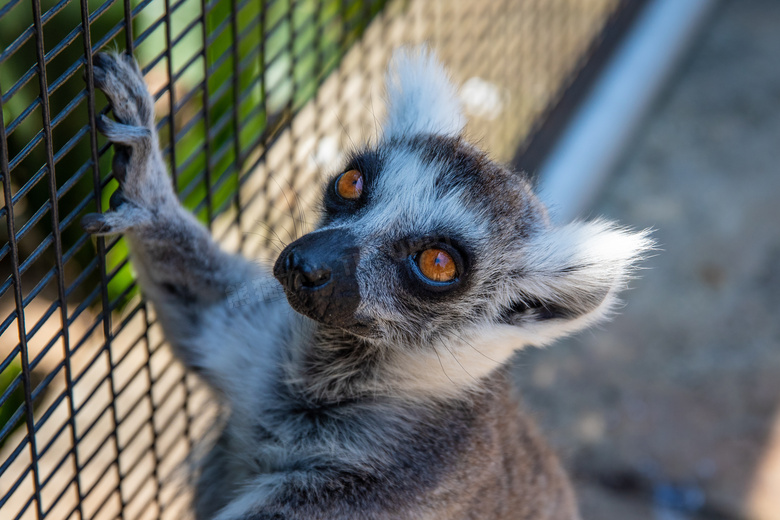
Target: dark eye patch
[
  {"x": 406, "y": 253},
  {"x": 369, "y": 164}
]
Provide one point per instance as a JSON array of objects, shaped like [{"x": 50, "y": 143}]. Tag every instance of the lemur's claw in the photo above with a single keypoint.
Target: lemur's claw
[
  {"x": 100, "y": 62},
  {"x": 117, "y": 200},
  {"x": 101, "y": 123},
  {"x": 95, "y": 224},
  {"x": 101, "y": 223},
  {"x": 125, "y": 215}
]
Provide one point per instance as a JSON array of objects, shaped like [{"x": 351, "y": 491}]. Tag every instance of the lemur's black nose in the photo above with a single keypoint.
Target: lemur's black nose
[
  {"x": 318, "y": 273},
  {"x": 301, "y": 272}
]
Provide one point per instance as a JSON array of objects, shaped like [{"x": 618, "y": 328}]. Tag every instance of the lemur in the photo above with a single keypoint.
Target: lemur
[{"x": 369, "y": 378}]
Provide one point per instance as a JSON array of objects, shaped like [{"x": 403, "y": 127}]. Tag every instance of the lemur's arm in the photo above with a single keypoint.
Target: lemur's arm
[{"x": 181, "y": 270}]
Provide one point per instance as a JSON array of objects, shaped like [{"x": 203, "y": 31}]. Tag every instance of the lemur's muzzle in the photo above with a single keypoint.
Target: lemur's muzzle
[{"x": 317, "y": 272}]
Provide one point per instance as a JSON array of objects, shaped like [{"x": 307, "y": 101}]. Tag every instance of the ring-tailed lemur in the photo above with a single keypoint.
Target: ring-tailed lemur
[{"x": 386, "y": 395}]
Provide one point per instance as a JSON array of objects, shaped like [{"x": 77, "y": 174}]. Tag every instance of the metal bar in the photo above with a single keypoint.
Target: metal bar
[
  {"x": 100, "y": 243},
  {"x": 56, "y": 8},
  {"x": 6, "y": 463},
  {"x": 151, "y": 382},
  {"x": 171, "y": 94},
  {"x": 205, "y": 111},
  {"x": 106, "y": 408},
  {"x": 128, "y": 23},
  {"x": 7, "y": 7},
  {"x": 12, "y": 421},
  {"x": 109, "y": 494},
  {"x": 172, "y": 140},
  {"x": 26, "y": 150},
  {"x": 69, "y": 72},
  {"x": 63, "y": 492},
  {"x": 11, "y": 354},
  {"x": 28, "y": 110},
  {"x": 16, "y": 44},
  {"x": 264, "y": 138},
  {"x": 39, "y": 49},
  {"x": 110, "y": 35},
  {"x": 73, "y": 141},
  {"x": 10, "y": 389},
  {"x": 236, "y": 128}
]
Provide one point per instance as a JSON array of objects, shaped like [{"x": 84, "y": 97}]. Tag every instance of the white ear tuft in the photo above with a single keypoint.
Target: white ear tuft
[
  {"x": 420, "y": 96},
  {"x": 572, "y": 275}
]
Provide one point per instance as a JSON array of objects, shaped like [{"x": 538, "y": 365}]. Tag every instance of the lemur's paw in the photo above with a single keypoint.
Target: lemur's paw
[
  {"x": 137, "y": 163},
  {"x": 120, "y": 78}
]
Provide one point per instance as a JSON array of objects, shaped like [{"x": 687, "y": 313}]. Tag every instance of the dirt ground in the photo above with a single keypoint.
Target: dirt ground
[{"x": 672, "y": 411}]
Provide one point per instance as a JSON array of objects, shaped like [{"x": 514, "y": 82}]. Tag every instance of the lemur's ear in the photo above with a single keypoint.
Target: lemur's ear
[
  {"x": 420, "y": 96},
  {"x": 570, "y": 277}
]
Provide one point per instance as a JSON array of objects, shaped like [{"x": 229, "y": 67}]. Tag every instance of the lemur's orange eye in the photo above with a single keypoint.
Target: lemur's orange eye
[
  {"x": 437, "y": 265},
  {"x": 350, "y": 185}
]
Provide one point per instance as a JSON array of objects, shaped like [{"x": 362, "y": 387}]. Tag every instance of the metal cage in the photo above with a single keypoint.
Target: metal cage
[{"x": 255, "y": 101}]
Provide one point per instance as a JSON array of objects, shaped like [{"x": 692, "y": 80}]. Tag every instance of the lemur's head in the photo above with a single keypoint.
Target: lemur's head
[{"x": 426, "y": 243}]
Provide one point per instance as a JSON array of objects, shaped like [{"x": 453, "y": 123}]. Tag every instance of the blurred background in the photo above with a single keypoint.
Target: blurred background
[
  {"x": 673, "y": 409},
  {"x": 657, "y": 113}
]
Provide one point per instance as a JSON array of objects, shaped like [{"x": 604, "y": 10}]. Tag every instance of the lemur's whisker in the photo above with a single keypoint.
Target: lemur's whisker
[
  {"x": 269, "y": 240},
  {"x": 373, "y": 114},
  {"x": 464, "y": 340},
  {"x": 344, "y": 129},
  {"x": 442, "y": 365},
  {"x": 289, "y": 208},
  {"x": 302, "y": 215},
  {"x": 272, "y": 230},
  {"x": 456, "y": 360}
]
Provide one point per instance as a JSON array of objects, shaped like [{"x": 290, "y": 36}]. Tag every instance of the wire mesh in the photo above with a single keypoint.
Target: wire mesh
[{"x": 255, "y": 101}]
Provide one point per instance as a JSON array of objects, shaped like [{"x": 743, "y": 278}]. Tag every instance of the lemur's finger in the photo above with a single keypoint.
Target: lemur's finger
[
  {"x": 129, "y": 135},
  {"x": 95, "y": 224},
  {"x": 120, "y": 163},
  {"x": 125, "y": 217}
]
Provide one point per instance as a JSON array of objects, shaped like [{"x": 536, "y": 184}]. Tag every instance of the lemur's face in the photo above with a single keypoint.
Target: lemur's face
[
  {"x": 418, "y": 235},
  {"x": 424, "y": 238}
]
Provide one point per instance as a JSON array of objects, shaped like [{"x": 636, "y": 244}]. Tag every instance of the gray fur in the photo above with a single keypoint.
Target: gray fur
[{"x": 412, "y": 415}]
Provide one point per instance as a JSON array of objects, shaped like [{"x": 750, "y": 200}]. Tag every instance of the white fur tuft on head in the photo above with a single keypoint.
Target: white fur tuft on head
[{"x": 421, "y": 99}]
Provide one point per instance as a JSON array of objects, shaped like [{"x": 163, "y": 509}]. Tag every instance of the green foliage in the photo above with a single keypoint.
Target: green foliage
[{"x": 14, "y": 400}]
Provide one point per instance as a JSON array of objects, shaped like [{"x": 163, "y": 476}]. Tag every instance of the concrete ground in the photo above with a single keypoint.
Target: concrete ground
[{"x": 672, "y": 411}]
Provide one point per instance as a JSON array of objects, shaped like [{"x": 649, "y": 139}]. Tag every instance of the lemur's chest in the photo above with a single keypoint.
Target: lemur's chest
[{"x": 289, "y": 436}]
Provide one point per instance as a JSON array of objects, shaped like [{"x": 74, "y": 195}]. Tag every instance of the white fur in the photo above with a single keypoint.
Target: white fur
[
  {"x": 582, "y": 258},
  {"x": 420, "y": 97}
]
